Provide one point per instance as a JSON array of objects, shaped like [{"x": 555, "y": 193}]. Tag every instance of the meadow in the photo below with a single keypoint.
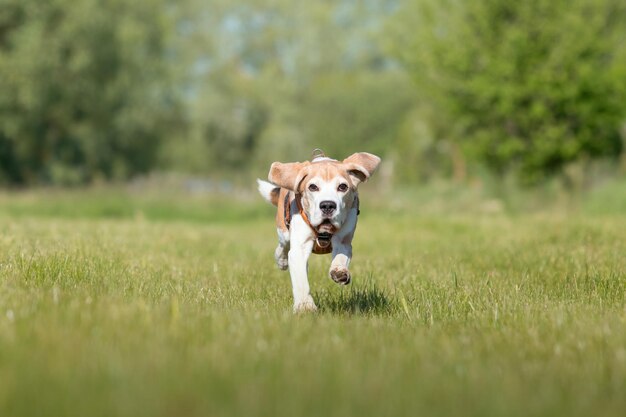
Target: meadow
[{"x": 122, "y": 303}]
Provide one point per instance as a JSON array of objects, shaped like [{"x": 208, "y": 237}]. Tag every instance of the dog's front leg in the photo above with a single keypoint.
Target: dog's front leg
[
  {"x": 342, "y": 250},
  {"x": 299, "y": 252}
]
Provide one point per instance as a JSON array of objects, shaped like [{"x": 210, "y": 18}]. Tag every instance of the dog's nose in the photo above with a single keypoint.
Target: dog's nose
[{"x": 328, "y": 207}]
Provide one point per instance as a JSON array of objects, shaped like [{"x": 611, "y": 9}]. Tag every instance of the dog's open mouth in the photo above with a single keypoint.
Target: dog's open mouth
[
  {"x": 326, "y": 227},
  {"x": 323, "y": 240},
  {"x": 325, "y": 233}
]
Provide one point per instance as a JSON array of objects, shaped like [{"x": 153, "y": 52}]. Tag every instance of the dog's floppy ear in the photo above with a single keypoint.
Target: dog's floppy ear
[
  {"x": 288, "y": 175},
  {"x": 361, "y": 166}
]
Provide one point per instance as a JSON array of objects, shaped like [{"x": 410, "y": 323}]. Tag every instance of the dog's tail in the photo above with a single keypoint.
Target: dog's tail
[{"x": 269, "y": 191}]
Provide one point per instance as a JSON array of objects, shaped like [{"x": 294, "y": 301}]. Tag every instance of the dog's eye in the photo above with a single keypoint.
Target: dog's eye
[
  {"x": 313, "y": 187},
  {"x": 342, "y": 188}
]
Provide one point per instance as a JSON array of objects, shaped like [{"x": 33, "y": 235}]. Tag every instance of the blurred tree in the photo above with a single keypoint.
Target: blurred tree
[
  {"x": 113, "y": 89},
  {"x": 85, "y": 88},
  {"x": 275, "y": 79},
  {"x": 527, "y": 86},
  {"x": 352, "y": 111}
]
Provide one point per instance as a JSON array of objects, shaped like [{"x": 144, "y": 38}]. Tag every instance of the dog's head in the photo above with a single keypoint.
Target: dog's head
[{"x": 328, "y": 187}]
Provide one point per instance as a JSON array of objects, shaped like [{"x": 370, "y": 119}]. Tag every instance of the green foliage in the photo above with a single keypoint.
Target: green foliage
[
  {"x": 348, "y": 109},
  {"x": 527, "y": 86},
  {"x": 85, "y": 91},
  {"x": 109, "y": 90},
  {"x": 278, "y": 79}
]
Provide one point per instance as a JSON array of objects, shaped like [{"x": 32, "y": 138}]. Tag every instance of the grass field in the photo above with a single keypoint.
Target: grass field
[{"x": 113, "y": 305}]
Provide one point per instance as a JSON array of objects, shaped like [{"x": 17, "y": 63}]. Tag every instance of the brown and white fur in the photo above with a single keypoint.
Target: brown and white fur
[{"x": 327, "y": 189}]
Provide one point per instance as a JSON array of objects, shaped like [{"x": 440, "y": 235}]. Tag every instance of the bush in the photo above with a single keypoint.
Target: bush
[
  {"x": 523, "y": 86},
  {"x": 84, "y": 89}
]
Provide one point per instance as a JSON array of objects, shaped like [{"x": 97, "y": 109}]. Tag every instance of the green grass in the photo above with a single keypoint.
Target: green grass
[{"x": 113, "y": 305}]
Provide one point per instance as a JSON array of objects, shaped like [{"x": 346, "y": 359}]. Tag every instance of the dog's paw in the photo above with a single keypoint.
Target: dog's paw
[
  {"x": 340, "y": 275},
  {"x": 305, "y": 305},
  {"x": 282, "y": 263},
  {"x": 280, "y": 256}
]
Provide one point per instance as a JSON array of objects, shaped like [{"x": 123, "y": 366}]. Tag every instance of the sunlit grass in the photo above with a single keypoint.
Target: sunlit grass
[{"x": 184, "y": 313}]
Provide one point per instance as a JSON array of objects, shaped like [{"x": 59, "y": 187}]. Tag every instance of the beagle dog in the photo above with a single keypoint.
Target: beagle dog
[{"x": 318, "y": 205}]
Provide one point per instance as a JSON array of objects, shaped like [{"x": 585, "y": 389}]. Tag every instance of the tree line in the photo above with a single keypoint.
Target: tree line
[{"x": 106, "y": 90}]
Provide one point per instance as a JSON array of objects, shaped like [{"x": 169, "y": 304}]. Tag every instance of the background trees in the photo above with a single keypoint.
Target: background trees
[
  {"x": 113, "y": 89},
  {"x": 86, "y": 90},
  {"x": 274, "y": 80},
  {"x": 521, "y": 86}
]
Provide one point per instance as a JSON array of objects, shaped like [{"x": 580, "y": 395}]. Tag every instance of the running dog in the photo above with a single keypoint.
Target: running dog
[{"x": 317, "y": 209}]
